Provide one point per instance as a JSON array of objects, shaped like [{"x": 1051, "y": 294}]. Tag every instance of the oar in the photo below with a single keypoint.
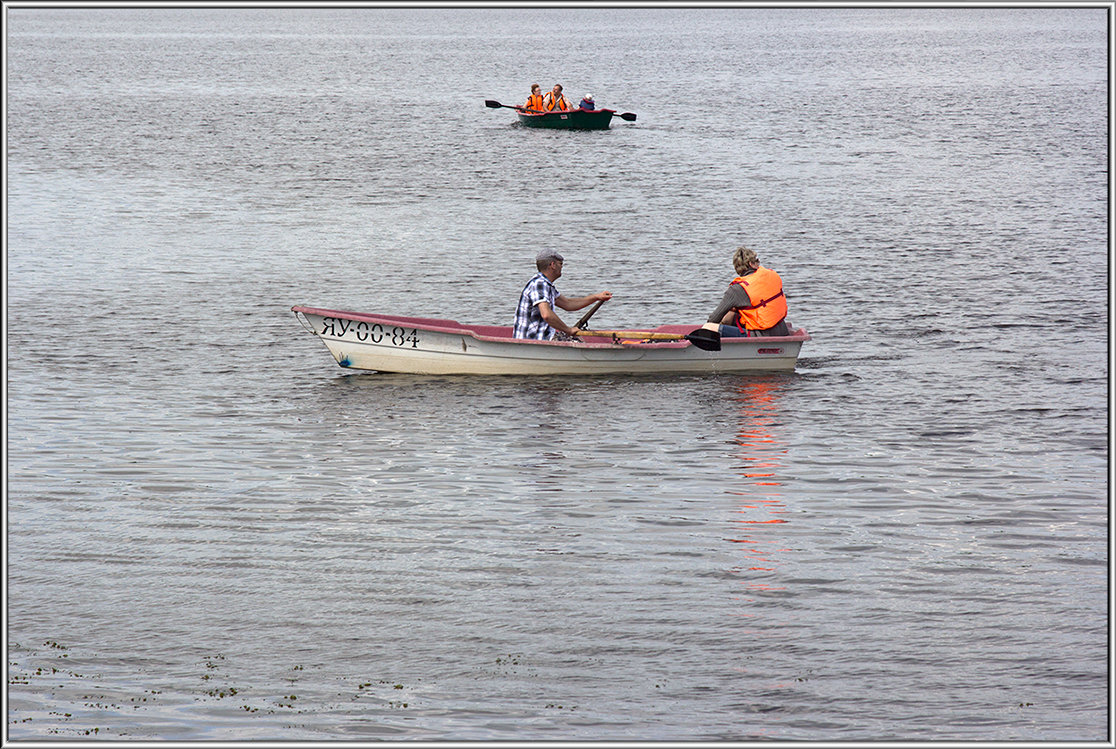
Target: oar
[
  {"x": 491, "y": 104},
  {"x": 626, "y": 116},
  {"x": 706, "y": 340},
  {"x": 585, "y": 319}
]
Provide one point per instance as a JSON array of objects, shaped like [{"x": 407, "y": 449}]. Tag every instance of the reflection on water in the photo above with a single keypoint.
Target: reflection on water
[{"x": 761, "y": 449}]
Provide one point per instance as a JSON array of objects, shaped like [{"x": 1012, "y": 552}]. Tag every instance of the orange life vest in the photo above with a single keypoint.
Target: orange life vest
[
  {"x": 535, "y": 102},
  {"x": 765, "y": 291},
  {"x": 559, "y": 103}
]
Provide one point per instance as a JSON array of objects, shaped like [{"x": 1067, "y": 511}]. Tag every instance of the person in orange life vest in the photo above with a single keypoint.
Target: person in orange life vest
[
  {"x": 535, "y": 100},
  {"x": 587, "y": 103},
  {"x": 754, "y": 304},
  {"x": 555, "y": 100}
]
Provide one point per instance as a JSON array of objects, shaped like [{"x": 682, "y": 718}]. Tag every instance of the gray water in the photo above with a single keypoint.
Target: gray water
[{"x": 213, "y": 532}]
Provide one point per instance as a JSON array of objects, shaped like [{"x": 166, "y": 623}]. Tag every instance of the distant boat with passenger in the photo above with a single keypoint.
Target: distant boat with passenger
[{"x": 568, "y": 119}]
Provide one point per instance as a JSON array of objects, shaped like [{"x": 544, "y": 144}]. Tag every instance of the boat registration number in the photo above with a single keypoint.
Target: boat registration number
[{"x": 374, "y": 332}]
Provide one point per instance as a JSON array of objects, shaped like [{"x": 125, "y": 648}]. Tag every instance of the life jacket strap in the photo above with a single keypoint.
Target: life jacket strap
[{"x": 764, "y": 302}]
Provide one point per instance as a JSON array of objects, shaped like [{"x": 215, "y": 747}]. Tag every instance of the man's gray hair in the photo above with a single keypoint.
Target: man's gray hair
[{"x": 545, "y": 258}]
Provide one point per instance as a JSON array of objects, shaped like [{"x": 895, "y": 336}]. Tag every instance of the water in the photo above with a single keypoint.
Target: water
[{"x": 216, "y": 533}]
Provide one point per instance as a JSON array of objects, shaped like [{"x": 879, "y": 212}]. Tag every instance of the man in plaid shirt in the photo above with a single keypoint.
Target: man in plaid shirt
[{"x": 535, "y": 317}]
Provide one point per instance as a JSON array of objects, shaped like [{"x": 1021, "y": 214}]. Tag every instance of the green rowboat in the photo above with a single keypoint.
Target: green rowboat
[{"x": 574, "y": 119}]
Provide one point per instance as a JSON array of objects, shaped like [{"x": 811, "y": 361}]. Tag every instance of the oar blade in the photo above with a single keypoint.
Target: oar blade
[
  {"x": 491, "y": 104},
  {"x": 627, "y": 116},
  {"x": 705, "y": 339}
]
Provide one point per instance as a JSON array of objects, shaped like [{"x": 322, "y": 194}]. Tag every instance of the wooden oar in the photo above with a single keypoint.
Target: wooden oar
[
  {"x": 585, "y": 318},
  {"x": 491, "y": 104},
  {"x": 643, "y": 335},
  {"x": 706, "y": 340}
]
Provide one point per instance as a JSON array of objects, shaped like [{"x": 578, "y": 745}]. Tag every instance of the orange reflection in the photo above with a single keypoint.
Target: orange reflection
[{"x": 760, "y": 450}]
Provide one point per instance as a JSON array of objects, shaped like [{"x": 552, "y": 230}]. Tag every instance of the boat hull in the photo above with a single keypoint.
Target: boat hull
[
  {"x": 389, "y": 343},
  {"x": 576, "y": 119}
]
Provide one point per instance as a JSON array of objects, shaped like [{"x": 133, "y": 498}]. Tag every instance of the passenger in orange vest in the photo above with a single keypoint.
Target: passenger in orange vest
[
  {"x": 754, "y": 304},
  {"x": 535, "y": 100},
  {"x": 555, "y": 101}
]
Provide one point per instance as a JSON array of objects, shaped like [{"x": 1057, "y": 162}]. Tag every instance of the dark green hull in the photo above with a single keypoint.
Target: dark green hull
[{"x": 575, "y": 119}]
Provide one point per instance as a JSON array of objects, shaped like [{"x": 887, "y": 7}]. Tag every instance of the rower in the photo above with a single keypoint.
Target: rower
[
  {"x": 535, "y": 316},
  {"x": 554, "y": 100}
]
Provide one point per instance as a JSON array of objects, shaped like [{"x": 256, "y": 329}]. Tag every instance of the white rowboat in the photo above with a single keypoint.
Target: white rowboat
[{"x": 414, "y": 345}]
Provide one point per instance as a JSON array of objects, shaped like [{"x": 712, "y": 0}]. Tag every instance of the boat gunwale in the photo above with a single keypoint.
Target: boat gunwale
[
  {"x": 602, "y": 111},
  {"x": 452, "y": 327}
]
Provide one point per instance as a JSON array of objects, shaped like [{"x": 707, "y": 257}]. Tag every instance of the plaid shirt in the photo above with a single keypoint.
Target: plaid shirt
[{"x": 528, "y": 320}]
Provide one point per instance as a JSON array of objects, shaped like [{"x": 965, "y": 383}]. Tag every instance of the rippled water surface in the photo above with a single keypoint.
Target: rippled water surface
[{"x": 213, "y": 532}]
